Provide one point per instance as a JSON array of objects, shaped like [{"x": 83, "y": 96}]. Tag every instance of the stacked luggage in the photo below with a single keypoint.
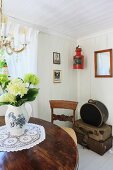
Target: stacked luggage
[{"x": 95, "y": 135}]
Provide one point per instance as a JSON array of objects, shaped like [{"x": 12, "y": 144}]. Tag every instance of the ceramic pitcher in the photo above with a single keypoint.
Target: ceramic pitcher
[{"x": 16, "y": 119}]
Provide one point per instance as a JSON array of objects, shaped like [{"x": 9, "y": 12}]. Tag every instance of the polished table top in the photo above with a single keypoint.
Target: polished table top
[{"x": 57, "y": 152}]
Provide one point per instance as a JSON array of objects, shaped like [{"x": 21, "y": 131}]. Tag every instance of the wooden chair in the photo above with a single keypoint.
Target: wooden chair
[{"x": 64, "y": 104}]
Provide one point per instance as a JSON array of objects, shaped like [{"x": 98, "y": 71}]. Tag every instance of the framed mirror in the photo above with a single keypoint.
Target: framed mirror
[{"x": 103, "y": 63}]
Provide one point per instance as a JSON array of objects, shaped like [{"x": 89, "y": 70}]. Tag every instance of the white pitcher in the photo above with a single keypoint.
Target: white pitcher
[{"x": 16, "y": 119}]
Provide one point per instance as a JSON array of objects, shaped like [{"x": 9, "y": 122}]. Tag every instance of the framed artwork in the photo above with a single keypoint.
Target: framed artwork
[
  {"x": 57, "y": 76},
  {"x": 56, "y": 58}
]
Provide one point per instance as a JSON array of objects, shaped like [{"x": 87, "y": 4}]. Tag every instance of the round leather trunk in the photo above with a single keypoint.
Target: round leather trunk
[{"x": 94, "y": 113}]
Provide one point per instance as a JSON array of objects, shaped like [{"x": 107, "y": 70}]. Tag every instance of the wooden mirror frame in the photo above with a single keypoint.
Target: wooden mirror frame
[{"x": 96, "y": 64}]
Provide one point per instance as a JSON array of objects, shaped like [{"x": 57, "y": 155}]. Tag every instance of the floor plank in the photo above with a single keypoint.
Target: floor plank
[{"x": 89, "y": 160}]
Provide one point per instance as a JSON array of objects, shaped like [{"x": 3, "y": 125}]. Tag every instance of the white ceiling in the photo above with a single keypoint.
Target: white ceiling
[{"x": 74, "y": 18}]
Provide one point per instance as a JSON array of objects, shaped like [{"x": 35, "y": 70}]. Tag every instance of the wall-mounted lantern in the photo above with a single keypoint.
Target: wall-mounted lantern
[{"x": 78, "y": 59}]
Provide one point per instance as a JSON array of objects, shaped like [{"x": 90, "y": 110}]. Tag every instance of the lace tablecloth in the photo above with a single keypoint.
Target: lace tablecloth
[{"x": 33, "y": 135}]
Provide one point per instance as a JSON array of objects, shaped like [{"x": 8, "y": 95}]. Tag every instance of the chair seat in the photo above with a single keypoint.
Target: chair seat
[{"x": 71, "y": 132}]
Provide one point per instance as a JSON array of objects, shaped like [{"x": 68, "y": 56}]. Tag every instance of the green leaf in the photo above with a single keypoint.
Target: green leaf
[
  {"x": 4, "y": 103},
  {"x": 5, "y": 84},
  {"x": 31, "y": 94},
  {"x": 20, "y": 102}
]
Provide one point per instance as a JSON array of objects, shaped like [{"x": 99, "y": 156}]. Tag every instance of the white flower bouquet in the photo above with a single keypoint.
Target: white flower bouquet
[{"x": 18, "y": 91}]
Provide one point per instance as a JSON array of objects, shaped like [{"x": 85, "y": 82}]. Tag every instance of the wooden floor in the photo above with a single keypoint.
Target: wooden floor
[{"x": 89, "y": 160}]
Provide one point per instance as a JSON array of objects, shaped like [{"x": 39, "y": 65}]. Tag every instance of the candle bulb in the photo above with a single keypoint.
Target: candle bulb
[
  {"x": 3, "y": 30},
  {"x": 3, "y": 26},
  {"x": 23, "y": 32}
]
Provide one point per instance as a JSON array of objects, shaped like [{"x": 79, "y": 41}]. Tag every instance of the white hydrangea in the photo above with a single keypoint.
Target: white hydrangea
[
  {"x": 7, "y": 97},
  {"x": 17, "y": 87}
]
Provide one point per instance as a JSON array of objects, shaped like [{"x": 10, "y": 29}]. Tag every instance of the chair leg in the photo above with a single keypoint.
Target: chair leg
[{"x": 51, "y": 118}]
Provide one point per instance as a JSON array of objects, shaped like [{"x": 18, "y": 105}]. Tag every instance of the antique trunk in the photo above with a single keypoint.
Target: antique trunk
[
  {"x": 96, "y": 146},
  {"x": 97, "y": 133},
  {"x": 98, "y": 139}
]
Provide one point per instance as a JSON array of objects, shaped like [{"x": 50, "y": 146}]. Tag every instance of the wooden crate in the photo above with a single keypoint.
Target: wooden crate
[{"x": 99, "y": 147}]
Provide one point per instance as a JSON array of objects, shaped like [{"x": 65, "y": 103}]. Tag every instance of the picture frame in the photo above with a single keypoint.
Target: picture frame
[
  {"x": 57, "y": 76},
  {"x": 56, "y": 58},
  {"x": 103, "y": 63}
]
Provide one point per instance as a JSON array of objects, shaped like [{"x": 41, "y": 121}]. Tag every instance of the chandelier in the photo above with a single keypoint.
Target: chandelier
[{"x": 6, "y": 39}]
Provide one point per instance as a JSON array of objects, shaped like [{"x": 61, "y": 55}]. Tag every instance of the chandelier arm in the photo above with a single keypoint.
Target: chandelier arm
[
  {"x": 6, "y": 42},
  {"x": 9, "y": 53},
  {"x": 17, "y": 50}
]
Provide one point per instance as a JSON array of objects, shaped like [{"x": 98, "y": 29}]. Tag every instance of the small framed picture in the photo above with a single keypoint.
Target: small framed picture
[
  {"x": 56, "y": 58},
  {"x": 57, "y": 76}
]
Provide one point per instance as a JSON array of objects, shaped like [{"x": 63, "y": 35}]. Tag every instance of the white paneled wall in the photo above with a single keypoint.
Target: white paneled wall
[
  {"x": 88, "y": 86},
  {"x": 67, "y": 89}
]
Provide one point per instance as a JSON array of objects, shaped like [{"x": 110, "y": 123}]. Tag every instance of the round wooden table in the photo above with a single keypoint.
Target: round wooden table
[{"x": 57, "y": 152}]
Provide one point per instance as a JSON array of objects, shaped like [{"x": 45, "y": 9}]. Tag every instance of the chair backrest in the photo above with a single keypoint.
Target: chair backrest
[{"x": 63, "y": 104}]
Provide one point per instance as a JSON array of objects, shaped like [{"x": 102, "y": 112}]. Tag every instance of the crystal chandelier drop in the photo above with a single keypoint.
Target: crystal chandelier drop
[{"x": 6, "y": 39}]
